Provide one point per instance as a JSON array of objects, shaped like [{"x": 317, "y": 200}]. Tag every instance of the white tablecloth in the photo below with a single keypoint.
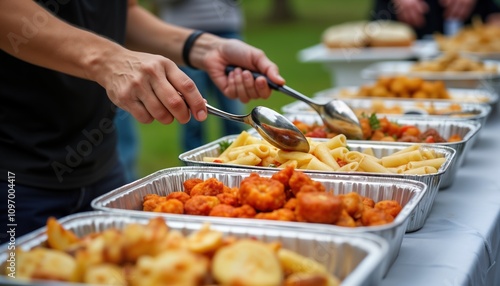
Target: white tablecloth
[{"x": 460, "y": 241}]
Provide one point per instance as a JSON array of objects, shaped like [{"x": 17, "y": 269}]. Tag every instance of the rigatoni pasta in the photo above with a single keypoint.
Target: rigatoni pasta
[{"x": 330, "y": 155}]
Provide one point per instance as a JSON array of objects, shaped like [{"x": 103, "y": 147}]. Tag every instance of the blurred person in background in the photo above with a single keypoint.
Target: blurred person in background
[
  {"x": 66, "y": 66},
  {"x": 223, "y": 18},
  {"x": 430, "y": 16}
]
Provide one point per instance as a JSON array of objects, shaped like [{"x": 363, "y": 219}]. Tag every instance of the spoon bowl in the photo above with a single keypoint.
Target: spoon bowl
[
  {"x": 272, "y": 126},
  {"x": 336, "y": 114}
]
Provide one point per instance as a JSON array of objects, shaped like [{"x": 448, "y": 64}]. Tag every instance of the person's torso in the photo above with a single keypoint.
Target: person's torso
[{"x": 56, "y": 130}]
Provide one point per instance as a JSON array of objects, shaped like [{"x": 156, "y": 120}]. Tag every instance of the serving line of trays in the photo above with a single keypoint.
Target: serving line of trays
[
  {"x": 355, "y": 259},
  {"x": 196, "y": 157},
  {"x": 425, "y": 109},
  {"x": 410, "y": 194},
  {"x": 467, "y": 130},
  {"x": 462, "y": 79},
  {"x": 457, "y": 95}
]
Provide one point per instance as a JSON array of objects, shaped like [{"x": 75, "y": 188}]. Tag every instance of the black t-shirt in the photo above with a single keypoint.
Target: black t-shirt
[{"x": 56, "y": 131}]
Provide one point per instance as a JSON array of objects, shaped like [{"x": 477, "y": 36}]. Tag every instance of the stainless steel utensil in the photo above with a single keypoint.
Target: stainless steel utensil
[
  {"x": 336, "y": 114},
  {"x": 271, "y": 125}
]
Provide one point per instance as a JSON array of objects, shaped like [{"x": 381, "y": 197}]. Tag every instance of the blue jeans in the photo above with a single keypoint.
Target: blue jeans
[
  {"x": 128, "y": 142},
  {"x": 194, "y": 133},
  {"x": 33, "y": 206}
]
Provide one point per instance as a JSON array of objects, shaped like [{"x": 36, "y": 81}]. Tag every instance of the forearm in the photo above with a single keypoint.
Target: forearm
[
  {"x": 162, "y": 38},
  {"x": 34, "y": 35}
]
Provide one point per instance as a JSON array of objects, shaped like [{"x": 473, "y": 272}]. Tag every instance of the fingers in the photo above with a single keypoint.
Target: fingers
[
  {"x": 412, "y": 12},
  {"x": 242, "y": 85},
  {"x": 457, "y": 9}
]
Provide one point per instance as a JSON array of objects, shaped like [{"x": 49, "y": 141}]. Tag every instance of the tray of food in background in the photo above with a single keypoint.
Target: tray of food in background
[
  {"x": 477, "y": 40},
  {"x": 459, "y": 135},
  {"x": 97, "y": 248},
  {"x": 454, "y": 70},
  {"x": 416, "y": 109},
  {"x": 410, "y": 89},
  {"x": 232, "y": 195},
  {"x": 328, "y": 157}
]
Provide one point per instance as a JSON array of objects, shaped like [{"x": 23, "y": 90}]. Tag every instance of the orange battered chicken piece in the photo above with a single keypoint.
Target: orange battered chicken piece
[
  {"x": 389, "y": 206},
  {"x": 263, "y": 194},
  {"x": 223, "y": 210},
  {"x": 190, "y": 183},
  {"x": 209, "y": 187},
  {"x": 181, "y": 196},
  {"x": 200, "y": 205},
  {"x": 368, "y": 202},
  {"x": 284, "y": 176},
  {"x": 291, "y": 204},
  {"x": 345, "y": 220},
  {"x": 280, "y": 214},
  {"x": 245, "y": 211},
  {"x": 353, "y": 204},
  {"x": 151, "y": 201},
  {"x": 229, "y": 199},
  {"x": 171, "y": 206},
  {"x": 299, "y": 181},
  {"x": 318, "y": 207},
  {"x": 374, "y": 216}
]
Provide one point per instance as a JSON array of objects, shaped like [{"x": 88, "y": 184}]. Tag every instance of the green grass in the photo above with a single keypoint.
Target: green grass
[{"x": 160, "y": 143}]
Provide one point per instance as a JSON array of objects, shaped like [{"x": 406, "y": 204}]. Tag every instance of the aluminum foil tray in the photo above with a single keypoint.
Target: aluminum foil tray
[
  {"x": 369, "y": 106},
  {"x": 455, "y": 79},
  {"x": 128, "y": 199},
  {"x": 195, "y": 158},
  {"x": 466, "y": 129},
  {"x": 355, "y": 259},
  {"x": 458, "y": 95}
]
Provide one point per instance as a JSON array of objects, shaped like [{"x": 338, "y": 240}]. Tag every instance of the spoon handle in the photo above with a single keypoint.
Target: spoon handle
[{"x": 226, "y": 115}]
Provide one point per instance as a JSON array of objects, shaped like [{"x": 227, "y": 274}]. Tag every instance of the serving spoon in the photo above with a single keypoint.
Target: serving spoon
[
  {"x": 336, "y": 114},
  {"x": 272, "y": 126}
]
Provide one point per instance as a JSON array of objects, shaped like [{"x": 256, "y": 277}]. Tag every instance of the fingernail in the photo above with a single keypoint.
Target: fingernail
[{"x": 202, "y": 115}]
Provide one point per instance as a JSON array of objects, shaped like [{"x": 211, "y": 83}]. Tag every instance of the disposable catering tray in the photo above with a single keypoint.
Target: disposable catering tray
[
  {"x": 355, "y": 259},
  {"x": 128, "y": 199},
  {"x": 195, "y": 158},
  {"x": 462, "y": 79},
  {"x": 466, "y": 129},
  {"x": 457, "y": 95},
  {"x": 393, "y": 108}
]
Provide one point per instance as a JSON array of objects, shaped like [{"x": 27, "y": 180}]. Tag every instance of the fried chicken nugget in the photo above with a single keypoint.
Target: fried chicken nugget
[
  {"x": 245, "y": 211},
  {"x": 284, "y": 176},
  {"x": 375, "y": 216},
  {"x": 318, "y": 207},
  {"x": 345, "y": 220},
  {"x": 353, "y": 204},
  {"x": 171, "y": 206},
  {"x": 279, "y": 214},
  {"x": 263, "y": 194},
  {"x": 209, "y": 187},
  {"x": 291, "y": 204},
  {"x": 299, "y": 181},
  {"x": 223, "y": 210},
  {"x": 229, "y": 199},
  {"x": 181, "y": 196},
  {"x": 190, "y": 183},
  {"x": 200, "y": 205},
  {"x": 391, "y": 207},
  {"x": 151, "y": 201}
]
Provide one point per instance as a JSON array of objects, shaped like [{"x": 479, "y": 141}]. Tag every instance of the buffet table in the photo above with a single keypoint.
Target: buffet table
[{"x": 460, "y": 241}]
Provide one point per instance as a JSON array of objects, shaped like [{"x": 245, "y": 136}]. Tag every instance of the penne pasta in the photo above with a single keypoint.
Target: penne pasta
[
  {"x": 351, "y": 167},
  {"x": 337, "y": 141},
  {"x": 260, "y": 150},
  {"x": 322, "y": 153},
  {"x": 368, "y": 165},
  {"x": 353, "y": 156},
  {"x": 436, "y": 163},
  {"x": 395, "y": 160},
  {"x": 339, "y": 153},
  {"x": 316, "y": 164},
  {"x": 239, "y": 141},
  {"x": 421, "y": 171},
  {"x": 247, "y": 159}
]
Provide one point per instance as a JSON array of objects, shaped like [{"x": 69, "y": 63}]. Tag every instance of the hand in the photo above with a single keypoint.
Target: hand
[
  {"x": 240, "y": 83},
  {"x": 411, "y": 12},
  {"x": 457, "y": 9},
  {"x": 148, "y": 87}
]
